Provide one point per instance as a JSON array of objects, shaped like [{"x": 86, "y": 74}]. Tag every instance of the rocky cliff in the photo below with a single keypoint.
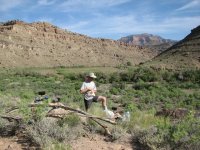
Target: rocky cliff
[
  {"x": 154, "y": 42},
  {"x": 184, "y": 54},
  {"x": 41, "y": 44}
]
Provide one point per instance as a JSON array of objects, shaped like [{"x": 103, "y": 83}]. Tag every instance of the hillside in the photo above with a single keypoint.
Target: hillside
[
  {"x": 41, "y": 44},
  {"x": 184, "y": 54},
  {"x": 154, "y": 42}
]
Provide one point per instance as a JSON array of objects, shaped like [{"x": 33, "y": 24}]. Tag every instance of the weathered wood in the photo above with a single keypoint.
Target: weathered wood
[
  {"x": 12, "y": 109},
  {"x": 60, "y": 105},
  {"x": 85, "y": 114},
  {"x": 81, "y": 112},
  {"x": 54, "y": 116},
  {"x": 103, "y": 126}
]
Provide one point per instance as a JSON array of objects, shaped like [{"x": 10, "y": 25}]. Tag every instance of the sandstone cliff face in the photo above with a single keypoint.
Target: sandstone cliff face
[
  {"x": 44, "y": 45},
  {"x": 184, "y": 54}
]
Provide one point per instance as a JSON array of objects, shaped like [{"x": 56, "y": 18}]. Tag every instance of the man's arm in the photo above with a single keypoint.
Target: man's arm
[
  {"x": 86, "y": 90},
  {"x": 82, "y": 91}
]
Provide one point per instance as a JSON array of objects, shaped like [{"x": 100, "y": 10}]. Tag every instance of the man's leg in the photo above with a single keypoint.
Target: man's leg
[
  {"x": 87, "y": 104},
  {"x": 103, "y": 100}
]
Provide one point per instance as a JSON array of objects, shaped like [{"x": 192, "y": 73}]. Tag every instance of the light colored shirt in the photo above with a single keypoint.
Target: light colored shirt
[{"x": 89, "y": 94}]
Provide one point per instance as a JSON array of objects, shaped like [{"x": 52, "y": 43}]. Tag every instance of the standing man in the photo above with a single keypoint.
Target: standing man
[{"x": 89, "y": 89}]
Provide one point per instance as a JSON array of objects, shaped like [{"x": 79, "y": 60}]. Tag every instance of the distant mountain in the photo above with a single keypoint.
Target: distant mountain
[
  {"x": 41, "y": 44},
  {"x": 153, "y": 42},
  {"x": 183, "y": 55}
]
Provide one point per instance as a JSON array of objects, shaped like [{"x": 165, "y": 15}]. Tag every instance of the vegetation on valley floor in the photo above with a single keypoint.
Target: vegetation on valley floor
[{"x": 142, "y": 91}]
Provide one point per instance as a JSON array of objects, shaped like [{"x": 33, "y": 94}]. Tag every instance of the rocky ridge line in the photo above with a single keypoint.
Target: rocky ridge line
[{"x": 41, "y": 44}]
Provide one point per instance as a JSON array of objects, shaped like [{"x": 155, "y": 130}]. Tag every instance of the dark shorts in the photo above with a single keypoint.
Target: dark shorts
[{"x": 89, "y": 102}]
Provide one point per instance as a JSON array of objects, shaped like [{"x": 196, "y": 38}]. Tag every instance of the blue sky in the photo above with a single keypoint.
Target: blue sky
[{"x": 112, "y": 19}]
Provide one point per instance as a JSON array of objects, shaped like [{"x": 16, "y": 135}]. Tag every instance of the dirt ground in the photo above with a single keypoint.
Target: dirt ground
[
  {"x": 10, "y": 144},
  {"x": 98, "y": 142},
  {"x": 91, "y": 142}
]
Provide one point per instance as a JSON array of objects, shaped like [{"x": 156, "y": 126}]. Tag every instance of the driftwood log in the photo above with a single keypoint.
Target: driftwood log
[
  {"x": 85, "y": 114},
  {"x": 60, "y": 105}
]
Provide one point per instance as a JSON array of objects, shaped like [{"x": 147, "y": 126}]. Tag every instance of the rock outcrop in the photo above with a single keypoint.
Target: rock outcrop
[
  {"x": 154, "y": 42},
  {"x": 183, "y": 55}
]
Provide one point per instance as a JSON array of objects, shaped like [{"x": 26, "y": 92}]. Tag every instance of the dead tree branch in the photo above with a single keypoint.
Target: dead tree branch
[{"x": 60, "y": 105}]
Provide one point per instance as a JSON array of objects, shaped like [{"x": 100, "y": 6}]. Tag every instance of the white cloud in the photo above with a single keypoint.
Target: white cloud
[
  {"x": 143, "y": 17},
  {"x": 190, "y": 5},
  {"x": 129, "y": 24},
  {"x": 6, "y": 5},
  {"x": 46, "y": 2},
  {"x": 74, "y": 5}
]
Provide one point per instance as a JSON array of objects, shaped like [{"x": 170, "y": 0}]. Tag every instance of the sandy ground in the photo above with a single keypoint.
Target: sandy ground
[
  {"x": 9, "y": 144},
  {"x": 91, "y": 142},
  {"x": 98, "y": 142}
]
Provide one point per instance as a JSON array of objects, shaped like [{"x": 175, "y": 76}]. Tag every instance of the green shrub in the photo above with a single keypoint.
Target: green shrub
[
  {"x": 24, "y": 110},
  {"x": 114, "y": 91},
  {"x": 126, "y": 76},
  {"x": 143, "y": 120},
  {"x": 191, "y": 75},
  {"x": 36, "y": 113},
  {"x": 26, "y": 73},
  {"x": 47, "y": 132},
  {"x": 145, "y": 74},
  {"x": 131, "y": 107},
  {"x": 165, "y": 135},
  {"x": 117, "y": 88},
  {"x": 187, "y": 85},
  {"x": 59, "y": 146},
  {"x": 186, "y": 131},
  {"x": 153, "y": 139},
  {"x": 114, "y": 77},
  {"x": 73, "y": 76},
  {"x": 8, "y": 128},
  {"x": 102, "y": 77},
  {"x": 27, "y": 94},
  {"x": 118, "y": 132},
  {"x": 71, "y": 120},
  {"x": 129, "y": 63},
  {"x": 93, "y": 126},
  {"x": 168, "y": 76},
  {"x": 121, "y": 85},
  {"x": 141, "y": 85}
]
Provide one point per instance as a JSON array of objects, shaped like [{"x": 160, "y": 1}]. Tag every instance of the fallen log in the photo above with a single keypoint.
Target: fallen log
[
  {"x": 12, "y": 109},
  {"x": 103, "y": 126},
  {"x": 54, "y": 116},
  {"x": 60, "y": 105}
]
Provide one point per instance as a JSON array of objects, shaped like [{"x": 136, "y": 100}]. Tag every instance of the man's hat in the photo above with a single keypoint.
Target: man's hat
[{"x": 91, "y": 75}]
